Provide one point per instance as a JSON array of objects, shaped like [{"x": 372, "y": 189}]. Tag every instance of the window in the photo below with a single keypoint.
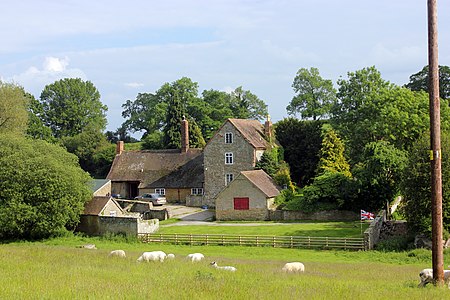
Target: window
[
  {"x": 197, "y": 191},
  {"x": 228, "y": 178},
  {"x": 112, "y": 213},
  {"x": 229, "y": 138},
  {"x": 241, "y": 203},
  {"x": 160, "y": 191},
  {"x": 229, "y": 158}
]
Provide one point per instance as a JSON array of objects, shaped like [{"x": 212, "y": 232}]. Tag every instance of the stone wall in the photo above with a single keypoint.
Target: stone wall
[
  {"x": 101, "y": 225},
  {"x": 195, "y": 200},
  {"x": 105, "y": 190},
  {"x": 214, "y": 161},
  {"x": 372, "y": 234},
  {"x": 330, "y": 215}
]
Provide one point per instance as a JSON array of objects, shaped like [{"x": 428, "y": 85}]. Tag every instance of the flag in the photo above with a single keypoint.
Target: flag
[{"x": 365, "y": 215}]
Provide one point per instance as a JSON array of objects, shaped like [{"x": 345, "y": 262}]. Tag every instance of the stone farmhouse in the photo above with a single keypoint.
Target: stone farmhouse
[{"x": 189, "y": 176}]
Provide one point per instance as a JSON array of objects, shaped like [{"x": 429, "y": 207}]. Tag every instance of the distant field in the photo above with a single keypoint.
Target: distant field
[
  {"x": 57, "y": 269},
  {"x": 325, "y": 229}
]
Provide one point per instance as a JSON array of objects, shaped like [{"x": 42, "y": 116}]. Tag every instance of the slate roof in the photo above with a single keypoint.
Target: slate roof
[
  {"x": 188, "y": 175},
  {"x": 263, "y": 182},
  {"x": 148, "y": 166},
  {"x": 98, "y": 183},
  {"x": 252, "y": 131},
  {"x": 96, "y": 205}
]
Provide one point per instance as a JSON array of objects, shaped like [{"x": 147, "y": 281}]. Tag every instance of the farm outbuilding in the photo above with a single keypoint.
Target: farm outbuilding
[{"x": 249, "y": 197}]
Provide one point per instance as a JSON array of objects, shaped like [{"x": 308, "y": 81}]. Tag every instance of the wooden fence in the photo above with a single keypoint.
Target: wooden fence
[{"x": 305, "y": 242}]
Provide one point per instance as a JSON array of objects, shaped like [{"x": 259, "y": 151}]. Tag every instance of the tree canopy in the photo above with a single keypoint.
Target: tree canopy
[
  {"x": 13, "y": 108},
  {"x": 70, "y": 105},
  {"x": 419, "y": 81},
  {"x": 42, "y": 189},
  {"x": 314, "y": 95}
]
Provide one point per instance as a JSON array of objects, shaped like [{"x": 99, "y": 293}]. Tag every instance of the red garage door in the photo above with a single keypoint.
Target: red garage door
[{"x": 241, "y": 203}]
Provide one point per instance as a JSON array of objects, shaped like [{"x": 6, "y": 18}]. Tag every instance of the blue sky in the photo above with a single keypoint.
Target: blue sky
[{"x": 130, "y": 47}]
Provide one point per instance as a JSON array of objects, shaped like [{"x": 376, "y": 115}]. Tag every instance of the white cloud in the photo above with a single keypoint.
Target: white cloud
[
  {"x": 54, "y": 64},
  {"x": 134, "y": 84}
]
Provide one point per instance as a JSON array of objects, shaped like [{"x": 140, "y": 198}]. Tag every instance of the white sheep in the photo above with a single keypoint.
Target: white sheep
[
  {"x": 88, "y": 246},
  {"x": 117, "y": 253},
  {"x": 293, "y": 267},
  {"x": 426, "y": 277},
  {"x": 195, "y": 257},
  {"x": 225, "y": 268},
  {"x": 170, "y": 256},
  {"x": 152, "y": 256}
]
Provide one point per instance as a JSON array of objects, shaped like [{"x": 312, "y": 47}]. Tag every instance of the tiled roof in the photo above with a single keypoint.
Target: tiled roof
[
  {"x": 96, "y": 205},
  {"x": 188, "y": 175},
  {"x": 147, "y": 166},
  {"x": 252, "y": 131},
  {"x": 263, "y": 182}
]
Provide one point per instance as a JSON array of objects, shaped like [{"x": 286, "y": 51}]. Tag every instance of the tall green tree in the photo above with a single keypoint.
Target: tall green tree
[
  {"x": 246, "y": 105},
  {"x": 419, "y": 81},
  {"x": 70, "y": 105},
  {"x": 36, "y": 128},
  {"x": 314, "y": 96},
  {"x": 42, "y": 189},
  {"x": 332, "y": 153},
  {"x": 13, "y": 108}
]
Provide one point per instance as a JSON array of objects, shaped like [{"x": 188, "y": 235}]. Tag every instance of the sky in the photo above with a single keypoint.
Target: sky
[{"x": 130, "y": 47}]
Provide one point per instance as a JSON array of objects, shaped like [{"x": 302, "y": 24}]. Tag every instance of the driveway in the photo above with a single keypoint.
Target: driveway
[{"x": 185, "y": 213}]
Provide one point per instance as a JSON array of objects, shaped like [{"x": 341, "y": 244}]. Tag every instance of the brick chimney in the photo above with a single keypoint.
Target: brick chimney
[
  {"x": 119, "y": 147},
  {"x": 268, "y": 128},
  {"x": 184, "y": 135}
]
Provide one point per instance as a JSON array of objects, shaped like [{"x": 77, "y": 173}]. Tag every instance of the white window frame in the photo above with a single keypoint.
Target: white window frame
[
  {"x": 160, "y": 191},
  {"x": 229, "y": 177},
  {"x": 229, "y": 158},
  {"x": 229, "y": 138},
  {"x": 197, "y": 191}
]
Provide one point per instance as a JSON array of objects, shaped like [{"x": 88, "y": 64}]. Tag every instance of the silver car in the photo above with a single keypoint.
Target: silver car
[{"x": 156, "y": 199}]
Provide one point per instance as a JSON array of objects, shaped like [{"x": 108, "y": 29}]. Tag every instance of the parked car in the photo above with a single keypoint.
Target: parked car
[{"x": 156, "y": 199}]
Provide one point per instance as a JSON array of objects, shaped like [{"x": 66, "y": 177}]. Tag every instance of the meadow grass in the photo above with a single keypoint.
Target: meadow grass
[
  {"x": 58, "y": 269},
  {"x": 318, "y": 229}
]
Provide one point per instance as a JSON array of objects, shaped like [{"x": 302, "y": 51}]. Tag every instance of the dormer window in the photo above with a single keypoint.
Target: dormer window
[{"x": 229, "y": 138}]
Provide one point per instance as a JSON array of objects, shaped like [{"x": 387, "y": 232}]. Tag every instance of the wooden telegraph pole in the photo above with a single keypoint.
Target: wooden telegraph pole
[{"x": 435, "y": 133}]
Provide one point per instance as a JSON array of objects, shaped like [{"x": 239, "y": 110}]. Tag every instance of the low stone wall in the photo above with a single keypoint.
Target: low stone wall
[
  {"x": 194, "y": 200},
  {"x": 244, "y": 215},
  {"x": 372, "y": 234},
  {"x": 101, "y": 225},
  {"x": 160, "y": 214},
  {"x": 328, "y": 215}
]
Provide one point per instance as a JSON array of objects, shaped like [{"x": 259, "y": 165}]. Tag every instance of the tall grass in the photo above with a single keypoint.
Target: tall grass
[{"x": 57, "y": 269}]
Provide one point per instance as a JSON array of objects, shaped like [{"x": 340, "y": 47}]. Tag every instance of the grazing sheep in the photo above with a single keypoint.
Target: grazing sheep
[
  {"x": 117, "y": 253},
  {"x": 293, "y": 267},
  {"x": 152, "y": 256},
  {"x": 88, "y": 246},
  {"x": 170, "y": 256},
  {"x": 225, "y": 268},
  {"x": 194, "y": 257},
  {"x": 426, "y": 277}
]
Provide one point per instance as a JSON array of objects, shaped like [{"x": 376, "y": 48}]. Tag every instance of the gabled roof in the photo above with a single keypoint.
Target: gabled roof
[
  {"x": 98, "y": 183},
  {"x": 188, "y": 175},
  {"x": 97, "y": 204},
  {"x": 252, "y": 131},
  {"x": 147, "y": 166},
  {"x": 263, "y": 182}
]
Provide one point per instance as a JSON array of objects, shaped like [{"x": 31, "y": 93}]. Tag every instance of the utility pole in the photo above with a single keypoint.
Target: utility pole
[{"x": 436, "y": 154}]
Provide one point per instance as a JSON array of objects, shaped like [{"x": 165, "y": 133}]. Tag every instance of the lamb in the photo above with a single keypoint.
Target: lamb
[
  {"x": 152, "y": 256},
  {"x": 117, "y": 253},
  {"x": 170, "y": 256},
  {"x": 195, "y": 257},
  {"x": 293, "y": 267},
  {"x": 426, "y": 276},
  {"x": 225, "y": 268}
]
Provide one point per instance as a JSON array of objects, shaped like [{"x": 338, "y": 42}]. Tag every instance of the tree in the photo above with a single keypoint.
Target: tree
[
  {"x": 246, "y": 105},
  {"x": 419, "y": 81},
  {"x": 314, "y": 95},
  {"x": 416, "y": 187},
  {"x": 332, "y": 157},
  {"x": 70, "y": 105},
  {"x": 36, "y": 128},
  {"x": 42, "y": 189},
  {"x": 13, "y": 108},
  {"x": 301, "y": 141}
]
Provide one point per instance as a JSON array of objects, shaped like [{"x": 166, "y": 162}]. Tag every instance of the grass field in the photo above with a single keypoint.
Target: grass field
[
  {"x": 58, "y": 269},
  {"x": 322, "y": 229}
]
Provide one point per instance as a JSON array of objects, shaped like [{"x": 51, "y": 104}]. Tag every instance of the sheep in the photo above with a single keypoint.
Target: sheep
[
  {"x": 88, "y": 246},
  {"x": 170, "y": 256},
  {"x": 195, "y": 257},
  {"x": 293, "y": 267},
  {"x": 152, "y": 256},
  {"x": 426, "y": 276},
  {"x": 117, "y": 253},
  {"x": 225, "y": 268}
]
